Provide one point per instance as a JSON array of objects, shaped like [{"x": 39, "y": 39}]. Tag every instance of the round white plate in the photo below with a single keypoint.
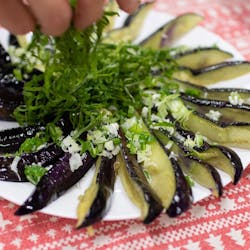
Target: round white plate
[{"x": 122, "y": 208}]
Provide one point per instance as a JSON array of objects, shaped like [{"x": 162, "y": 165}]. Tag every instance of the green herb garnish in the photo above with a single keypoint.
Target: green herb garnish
[
  {"x": 189, "y": 180},
  {"x": 83, "y": 77},
  {"x": 32, "y": 144},
  {"x": 34, "y": 173}
]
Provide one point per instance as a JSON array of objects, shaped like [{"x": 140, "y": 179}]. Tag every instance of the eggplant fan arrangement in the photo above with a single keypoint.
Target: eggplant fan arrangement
[{"x": 143, "y": 112}]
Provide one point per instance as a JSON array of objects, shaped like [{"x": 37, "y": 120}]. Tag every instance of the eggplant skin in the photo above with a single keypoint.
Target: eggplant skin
[
  {"x": 5, "y": 60},
  {"x": 43, "y": 157},
  {"x": 11, "y": 139},
  {"x": 54, "y": 183},
  {"x": 7, "y": 108},
  {"x": 183, "y": 196},
  {"x": 10, "y": 87},
  {"x": 102, "y": 202},
  {"x": 235, "y": 161}
]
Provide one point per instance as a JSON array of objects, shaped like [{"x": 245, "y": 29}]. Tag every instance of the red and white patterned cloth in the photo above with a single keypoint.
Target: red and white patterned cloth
[{"x": 211, "y": 224}]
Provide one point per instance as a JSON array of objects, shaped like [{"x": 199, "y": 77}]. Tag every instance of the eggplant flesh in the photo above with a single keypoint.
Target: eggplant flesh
[
  {"x": 213, "y": 74},
  {"x": 104, "y": 182},
  {"x": 236, "y": 134},
  {"x": 229, "y": 113},
  {"x": 11, "y": 171},
  {"x": 201, "y": 57},
  {"x": 150, "y": 204},
  {"x": 54, "y": 183},
  {"x": 11, "y": 139}
]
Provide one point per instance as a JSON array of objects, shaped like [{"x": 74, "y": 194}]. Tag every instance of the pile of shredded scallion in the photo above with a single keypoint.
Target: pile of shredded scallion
[{"x": 83, "y": 76}]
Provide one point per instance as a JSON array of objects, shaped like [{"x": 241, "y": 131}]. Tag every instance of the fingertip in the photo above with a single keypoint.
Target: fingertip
[
  {"x": 87, "y": 13},
  {"x": 54, "y": 17},
  {"x": 60, "y": 25}
]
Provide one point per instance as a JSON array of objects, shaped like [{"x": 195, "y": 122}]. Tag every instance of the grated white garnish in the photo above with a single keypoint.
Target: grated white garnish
[
  {"x": 75, "y": 161},
  {"x": 213, "y": 115},
  {"x": 234, "y": 98},
  {"x": 14, "y": 164},
  {"x": 70, "y": 145}
]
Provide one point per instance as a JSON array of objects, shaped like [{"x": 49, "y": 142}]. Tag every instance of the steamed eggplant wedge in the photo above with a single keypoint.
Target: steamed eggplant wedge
[
  {"x": 131, "y": 26},
  {"x": 236, "y": 95},
  {"x": 183, "y": 195},
  {"x": 223, "y": 158},
  {"x": 11, "y": 139},
  {"x": 234, "y": 135},
  {"x": 170, "y": 32},
  {"x": 214, "y": 73},
  {"x": 183, "y": 198},
  {"x": 12, "y": 168},
  {"x": 218, "y": 156},
  {"x": 136, "y": 184},
  {"x": 152, "y": 158},
  {"x": 96, "y": 201},
  {"x": 201, "y": 172},
  {"x": 63, "y": 175},
  {"x": 201, "y": 57},
  {"x": 229, "y": 134},
  {"x": 226, "y": 111}
]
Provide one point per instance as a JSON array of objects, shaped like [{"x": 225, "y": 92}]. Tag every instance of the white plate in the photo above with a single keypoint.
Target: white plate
[{"x": 122, "y": 208}]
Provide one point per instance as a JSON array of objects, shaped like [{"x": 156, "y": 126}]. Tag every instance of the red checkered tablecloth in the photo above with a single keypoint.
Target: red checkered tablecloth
[{"x": 211, "y": 224}]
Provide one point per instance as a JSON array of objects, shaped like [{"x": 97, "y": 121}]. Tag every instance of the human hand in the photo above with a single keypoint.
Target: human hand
[{"x": 53, "y": 16}]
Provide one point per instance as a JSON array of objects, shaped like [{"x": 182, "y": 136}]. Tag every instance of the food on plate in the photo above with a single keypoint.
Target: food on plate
[{"x": 83, "y": 101}]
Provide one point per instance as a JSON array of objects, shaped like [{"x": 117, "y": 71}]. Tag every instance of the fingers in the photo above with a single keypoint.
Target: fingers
[
  {"x": 87, "y": 12},
  {"x": 128, "y": 5},
  {"x": 54, "y": 17},
  {"x": 16, "y": 17}
]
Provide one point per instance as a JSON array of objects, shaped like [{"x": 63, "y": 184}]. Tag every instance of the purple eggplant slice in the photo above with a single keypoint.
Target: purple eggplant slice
[
  {"x": 170, "y": 32},
  {"x": 183, "y": 198},
  {"x": 12, "y": 167},
  {"x": 11, "y": 139},
  {"x": 200, "y": 171},
  {"x": 134, "y": 180},
  {"x": 99, "y": 192},
  {"x": 218, "y": 156},
  {"x": 235, "y": 134},
  {"x": 131, "y": 27},
  {"x": 140, "y": 13},
  {"x": 222, "y": 94},
  {"x": 228, "y": 112},
  {"x": 55, "y": 182},
  {"x": 201, "y": 57},
  {"x": 214, "y": 73}
]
